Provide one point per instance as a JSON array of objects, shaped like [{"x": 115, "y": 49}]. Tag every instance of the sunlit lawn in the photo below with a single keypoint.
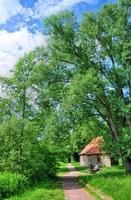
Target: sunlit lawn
[{"x": 111, "y": 181}]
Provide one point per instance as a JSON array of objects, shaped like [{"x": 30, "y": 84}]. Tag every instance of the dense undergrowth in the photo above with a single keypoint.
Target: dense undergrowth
[
  {"x": 46, "y": 190},
  {"x": 12, "y": 183}
]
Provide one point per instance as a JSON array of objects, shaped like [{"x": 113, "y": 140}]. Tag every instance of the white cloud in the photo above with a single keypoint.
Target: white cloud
[
  {"x": 49, "y": 7},
  {"x": 9, "y": 8},
  {"x": 41, "y": 8},
  {"x": 14, "y": 45}
]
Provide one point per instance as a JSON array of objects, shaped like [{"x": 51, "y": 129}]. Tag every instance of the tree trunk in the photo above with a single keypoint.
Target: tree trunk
[
  {"x": 127, "y": 163},
  {"x": 114, "y": 130}
]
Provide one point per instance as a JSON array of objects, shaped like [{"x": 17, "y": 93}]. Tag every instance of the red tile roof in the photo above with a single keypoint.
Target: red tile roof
[{"x": 93, "y": 147}]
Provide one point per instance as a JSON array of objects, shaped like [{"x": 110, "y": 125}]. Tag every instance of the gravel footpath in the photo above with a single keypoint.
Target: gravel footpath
[{"x": 72, "y": 190}]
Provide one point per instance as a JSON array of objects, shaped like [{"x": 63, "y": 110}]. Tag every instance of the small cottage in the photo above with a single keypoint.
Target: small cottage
[{"x": 93, "y": 155}]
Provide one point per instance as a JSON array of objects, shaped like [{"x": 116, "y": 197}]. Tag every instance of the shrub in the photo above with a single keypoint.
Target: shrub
[
  {"x": 25, "y": 153},
  {"x": 41, "y": 165},
  {"x": 11, "y": 183}
]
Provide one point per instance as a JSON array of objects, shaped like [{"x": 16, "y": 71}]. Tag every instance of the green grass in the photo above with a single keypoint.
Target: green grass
[
  {"x": 47, "y": 190},
  {"x": 111, "y": 181},
  {"x": 12, "y": 183},
  {"x": 81, "y": 169},
  {"x": 62, "y": 169}
]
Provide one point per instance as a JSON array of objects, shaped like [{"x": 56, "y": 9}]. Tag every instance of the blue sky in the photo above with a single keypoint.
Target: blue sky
[{"x": 21, "y": 25}]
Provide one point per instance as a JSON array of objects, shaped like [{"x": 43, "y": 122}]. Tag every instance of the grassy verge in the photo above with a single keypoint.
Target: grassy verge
[
  {"x": 46, "y": 190},
  {"x": 111, "y": 181}
]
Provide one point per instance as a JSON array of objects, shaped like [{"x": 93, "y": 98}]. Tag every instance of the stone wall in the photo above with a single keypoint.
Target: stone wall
[
  {"x": 105, "y": 160},
  {"x": 92, "y": 159},
  {"x": 86, "y": 160},
  {"x": 83, "y": 160}
]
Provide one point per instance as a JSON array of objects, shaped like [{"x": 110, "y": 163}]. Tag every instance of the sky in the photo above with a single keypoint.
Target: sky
[{"x": 22, "y": 27}]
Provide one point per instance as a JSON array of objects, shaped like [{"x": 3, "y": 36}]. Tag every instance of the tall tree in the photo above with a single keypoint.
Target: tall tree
[
  {"x": 23, "y": 149},
  {"x": 97, "y": 50}
]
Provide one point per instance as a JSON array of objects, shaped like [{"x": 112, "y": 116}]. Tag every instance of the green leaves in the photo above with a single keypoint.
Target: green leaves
[
  {"x": 95, "y": 48},
  {"x": 76, "y": 88},
  {"x": 12, "y": 183}
]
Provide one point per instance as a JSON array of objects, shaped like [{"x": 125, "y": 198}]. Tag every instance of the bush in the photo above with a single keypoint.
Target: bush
[
  {"x": 25, "y": 154},
  {"x": 12, "y": 183},
  {"x": 41, "y": 165}
]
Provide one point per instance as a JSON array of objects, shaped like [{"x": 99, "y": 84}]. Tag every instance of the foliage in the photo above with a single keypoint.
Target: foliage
[
  {"x": 23, "y": 149},
  {"x": 48, "y": 189},
  {"x": 96, "y": 50},
  {"x": 85, "y": 132},
  {"x": 42, "y": 163},
  {"x": 60, "y": 97},
  {"x": 35, "y": 158},
  {"x": 12, "y": 183}
]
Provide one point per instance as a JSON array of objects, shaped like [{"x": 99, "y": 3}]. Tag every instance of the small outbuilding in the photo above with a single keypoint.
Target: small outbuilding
[{"x": 92, "y": 154}]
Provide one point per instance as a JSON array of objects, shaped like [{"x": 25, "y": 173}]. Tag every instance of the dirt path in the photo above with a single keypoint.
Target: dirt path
[{"x": 72, "y": 190}]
